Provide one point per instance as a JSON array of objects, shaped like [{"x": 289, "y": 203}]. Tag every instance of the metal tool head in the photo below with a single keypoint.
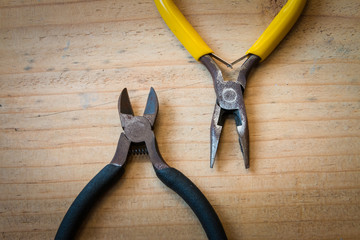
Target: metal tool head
[
  {"x": 137, "y": 127},
  {"x": 229, "y": 100},
  {"x": 126, "y": 112},
  {"x": 138, "y": 130}
]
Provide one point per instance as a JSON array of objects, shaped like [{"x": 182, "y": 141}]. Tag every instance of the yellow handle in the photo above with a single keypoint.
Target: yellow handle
[
  {"x": 277, "y": 29},
  {"x": 266, "y": 43},
  {"x": 182, "y": 29}
]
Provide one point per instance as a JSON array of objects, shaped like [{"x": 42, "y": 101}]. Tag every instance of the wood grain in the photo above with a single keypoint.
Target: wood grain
[{"x": 64, "y": 63}]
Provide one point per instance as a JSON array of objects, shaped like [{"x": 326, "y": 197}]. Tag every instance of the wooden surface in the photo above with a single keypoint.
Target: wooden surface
[{"x": 64, "y": 63}]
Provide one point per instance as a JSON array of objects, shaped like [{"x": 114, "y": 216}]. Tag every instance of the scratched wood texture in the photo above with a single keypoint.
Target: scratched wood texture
[{"x": 64, "y": 63}]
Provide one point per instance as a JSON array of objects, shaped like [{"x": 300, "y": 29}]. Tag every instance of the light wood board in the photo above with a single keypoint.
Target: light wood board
[{"x": 64, "y": 63}]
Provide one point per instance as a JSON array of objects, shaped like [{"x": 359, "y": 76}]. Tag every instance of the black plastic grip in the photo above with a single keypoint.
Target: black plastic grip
[
  {"x": 195, "y": 199},
  {"x": 87, "y": 199}
]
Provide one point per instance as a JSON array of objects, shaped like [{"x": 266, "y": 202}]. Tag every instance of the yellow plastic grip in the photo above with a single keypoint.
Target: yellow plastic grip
[
  {"x": 277, "y": 29},
  {"x": 266, "y": 43},
  {"x": 182, "y": 29}
]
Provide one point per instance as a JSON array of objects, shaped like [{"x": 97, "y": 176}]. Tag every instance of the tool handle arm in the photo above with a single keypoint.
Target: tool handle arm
[
  {"x": 265, "y": 44},
  {"x": 277, "y": 29},
  {"x": 182, "y": 29},
  {"x": 87, "y": 199},
  {"x": 186, "y": 189}
]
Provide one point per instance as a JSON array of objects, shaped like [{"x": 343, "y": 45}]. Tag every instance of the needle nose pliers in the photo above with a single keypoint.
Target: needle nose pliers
[
  {"x": 139, "y": 137},
  {"x": 229, "y": 94}
]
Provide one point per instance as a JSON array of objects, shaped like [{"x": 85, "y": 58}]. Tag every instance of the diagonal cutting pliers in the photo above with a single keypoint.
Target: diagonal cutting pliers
[
  {"x": 229, "y": 94},
  {"x": 139, "y": 138}
]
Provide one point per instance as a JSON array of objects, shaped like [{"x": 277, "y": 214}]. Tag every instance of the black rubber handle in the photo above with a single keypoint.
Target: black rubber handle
[
  {"x": 195, "y": 199},
  {"x": 87, "y": 199}
]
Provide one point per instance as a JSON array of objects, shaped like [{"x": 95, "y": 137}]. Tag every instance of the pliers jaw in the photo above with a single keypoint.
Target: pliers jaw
[
  {"x": 242, "y": 129},
  {"x": 138, "y": 131},
  {"x": 229, "y": 100},
  {"x": 126, "y": 112},
  {"x": 215, "y": 132}
]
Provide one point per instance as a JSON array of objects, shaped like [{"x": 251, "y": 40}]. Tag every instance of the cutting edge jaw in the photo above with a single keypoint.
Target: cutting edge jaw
[{"x": 138, "y": 130}]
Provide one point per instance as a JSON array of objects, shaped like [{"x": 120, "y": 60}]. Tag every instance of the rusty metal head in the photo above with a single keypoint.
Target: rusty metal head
[
  {"x": 229, "y": 100},
  {"x": 138, "y": 130}
]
